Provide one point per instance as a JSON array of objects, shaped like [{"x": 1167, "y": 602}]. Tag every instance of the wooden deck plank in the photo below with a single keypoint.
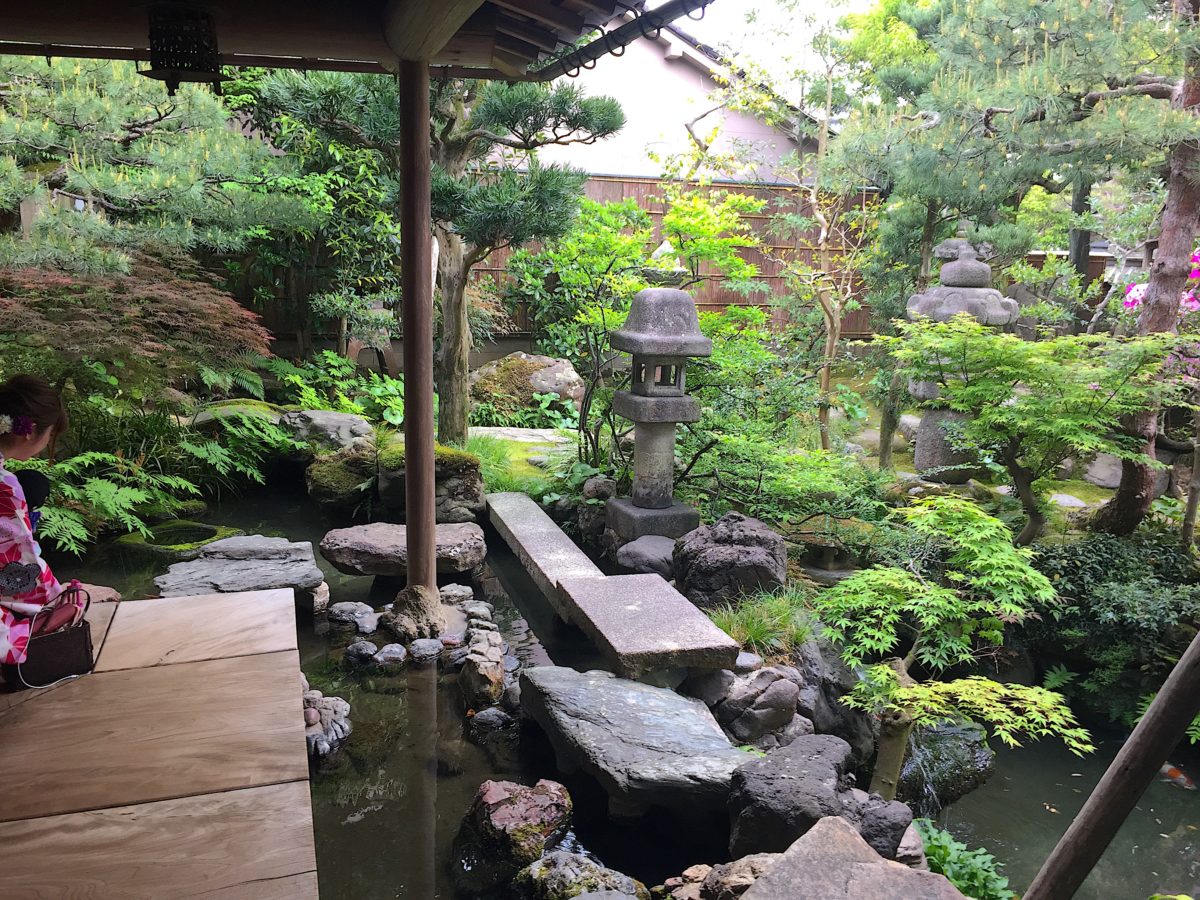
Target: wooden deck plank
[
  {"x": 133, "y": 736},
  {"x": 100, "y": 617},
  {"x": 190, "y": 629},
  {"x": 253, "y": 843}
]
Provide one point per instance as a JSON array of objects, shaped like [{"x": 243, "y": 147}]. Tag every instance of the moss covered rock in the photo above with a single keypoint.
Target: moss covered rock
[
  {"x": 205, "y": 419},
  {"x": 509, "y": 383},
  {"x": 342, "y": 483},
  {"x": 458, "y": 477},
  {"x": 174, "y": 540}
]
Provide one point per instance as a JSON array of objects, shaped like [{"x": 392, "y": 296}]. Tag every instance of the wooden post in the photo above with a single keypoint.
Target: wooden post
[
  {"x": 417, "y": 312},
  {"x": 1164, "y": 725}
]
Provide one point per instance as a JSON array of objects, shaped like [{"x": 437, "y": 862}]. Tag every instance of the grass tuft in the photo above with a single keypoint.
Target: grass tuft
[{"x": 770, "y": 625}]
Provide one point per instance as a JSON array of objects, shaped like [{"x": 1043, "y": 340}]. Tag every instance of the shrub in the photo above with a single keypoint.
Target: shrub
[{"x": 974, "y": 872}]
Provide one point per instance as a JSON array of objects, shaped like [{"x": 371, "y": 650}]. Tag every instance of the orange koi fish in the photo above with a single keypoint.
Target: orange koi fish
[{"x": 1176, "y": 776}]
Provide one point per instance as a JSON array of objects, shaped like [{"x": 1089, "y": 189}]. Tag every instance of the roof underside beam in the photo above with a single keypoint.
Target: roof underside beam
[{"x": 419, "y": 31}]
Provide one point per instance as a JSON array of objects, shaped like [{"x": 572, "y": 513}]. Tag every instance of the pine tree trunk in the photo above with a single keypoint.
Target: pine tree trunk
[
  {"x": 1160, "y": 309},
  {"x": 451, "y": 368},
  {"x": 1079, "y": 242},
  {"x": 925, "y": 271}
]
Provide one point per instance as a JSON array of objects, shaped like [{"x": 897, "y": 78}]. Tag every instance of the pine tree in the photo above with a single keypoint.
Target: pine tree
[
  {"x": 489, "y": 190},
  {"x": 112, "y": 165}
]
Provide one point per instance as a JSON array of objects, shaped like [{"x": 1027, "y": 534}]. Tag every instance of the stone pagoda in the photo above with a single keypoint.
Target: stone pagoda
[
  {"x": 965, "y": 288},
  {"x": 661, "y": 332}
]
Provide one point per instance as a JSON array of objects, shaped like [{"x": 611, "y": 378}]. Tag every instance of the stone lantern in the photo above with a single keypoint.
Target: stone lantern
[
  {"x": 661, "y": 332},
  {"x": 965, "y": 288}
]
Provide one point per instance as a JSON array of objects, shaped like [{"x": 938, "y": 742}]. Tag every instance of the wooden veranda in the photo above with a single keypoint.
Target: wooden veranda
[{"x": 176, "y": 769}]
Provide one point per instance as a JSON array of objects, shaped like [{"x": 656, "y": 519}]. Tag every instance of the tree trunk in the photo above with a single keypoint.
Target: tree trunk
[
  {"x": 895, "y": 728},
  {"x": 451, "y": 369},
  {"x": 888, "y": 422},
  {"x": 1079, "y": 243},
  {"x": 1188, "y": 533},
  {"x": 1160, "y": 309},
  {"x": 1035, "y": 519},
  {"x": 925, "y": 271}
]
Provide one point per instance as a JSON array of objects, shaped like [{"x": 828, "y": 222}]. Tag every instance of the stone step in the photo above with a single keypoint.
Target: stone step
[
  {"x": 547, "y": 554},
  {"x": 642, "y": 624}
]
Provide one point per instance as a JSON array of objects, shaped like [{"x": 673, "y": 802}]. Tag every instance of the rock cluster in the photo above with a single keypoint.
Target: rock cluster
[
  {"x": 507, "y": 827},
  {"x": 727, "y": 881},
  {"x": 482, "y": 678},
  {"x": 326, "y": 430},
  {"x": 458, "y": 483},
  {"x": 770, "y": 707},
  {"x": 565, "y": 876},
  {"x": 734, "y": 555},
  {"x": 833, "y": 862},
  {"x": 515, "y": 378},
  {"x": 778, "y": 798},
  {"x": 249, "y": 563},
  {"x": 326, "y": 722}
]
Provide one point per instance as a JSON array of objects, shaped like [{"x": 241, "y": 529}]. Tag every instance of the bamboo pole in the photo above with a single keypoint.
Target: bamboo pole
[
  {"x": 1162, "y": 727},
  {"x": 416, "y": 279}
]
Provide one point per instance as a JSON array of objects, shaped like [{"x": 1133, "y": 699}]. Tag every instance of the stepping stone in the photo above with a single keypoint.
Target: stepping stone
[
  {"x": 547, "y": 554},
  {"x": 642, "y": 624},
  {"x": 645, "y": 745},
  {"x": 381, "y": 548},
  {"x": 1067, "y": 501},
  {"x": 249, "y": 563}
]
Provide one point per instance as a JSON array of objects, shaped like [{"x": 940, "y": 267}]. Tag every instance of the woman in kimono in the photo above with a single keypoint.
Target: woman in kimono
[{"x": 31, "y": 417}]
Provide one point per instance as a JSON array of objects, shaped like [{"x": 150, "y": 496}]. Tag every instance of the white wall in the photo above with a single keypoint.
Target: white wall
[{"x": 659, "y": 95}]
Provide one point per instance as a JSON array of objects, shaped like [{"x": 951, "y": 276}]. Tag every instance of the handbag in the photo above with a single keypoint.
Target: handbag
[{"x": 58, "y": 655}]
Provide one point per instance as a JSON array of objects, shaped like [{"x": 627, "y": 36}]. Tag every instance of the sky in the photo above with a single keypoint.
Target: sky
[{"x": 726, "y": 25}]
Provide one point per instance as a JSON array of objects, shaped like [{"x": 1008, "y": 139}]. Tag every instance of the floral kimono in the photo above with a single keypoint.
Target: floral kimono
[{"x": 24, "y": 575}]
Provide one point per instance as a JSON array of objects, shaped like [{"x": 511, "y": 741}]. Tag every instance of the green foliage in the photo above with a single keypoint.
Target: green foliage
[
  {"x": 551, "y": 412},
  {"x": 1046, "y": 215},
  {"x": 709, "y": 227},
  {"x": 330, "y": 381},
  {"x": 141, "y": 171},
  {"x": 1063, "y": 297},
  {"x": 974, "y": 872},
  {"x": 1033, "y": 404},
  {"x": 505, "y": 469},
  {"x": 95, "y": 491},
  {"x": 1012, "y": 712},
  {"x": 1128, "y": 609},
  {"x": 594, "y": 267},
  {"x": 767, "y": 624},
  {"x": 985, "y": 582}
]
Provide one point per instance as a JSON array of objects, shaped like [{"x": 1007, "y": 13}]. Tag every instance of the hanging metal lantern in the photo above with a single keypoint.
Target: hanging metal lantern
[{"x": 183, "y": 47}]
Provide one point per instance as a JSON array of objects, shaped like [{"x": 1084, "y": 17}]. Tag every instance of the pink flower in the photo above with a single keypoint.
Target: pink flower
[
  {"x": 1189, "y": 301},
  {"x": 1195, "y": 273},
  {"x": 1093, "y": 386},
  {"x": 1134, "y": 294}
]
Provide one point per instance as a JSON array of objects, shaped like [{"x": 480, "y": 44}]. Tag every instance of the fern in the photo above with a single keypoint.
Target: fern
[{"x": 1058, "y": 677}]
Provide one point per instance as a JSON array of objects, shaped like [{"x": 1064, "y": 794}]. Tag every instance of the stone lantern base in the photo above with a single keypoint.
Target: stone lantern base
[{"x": 631, "y": 522}]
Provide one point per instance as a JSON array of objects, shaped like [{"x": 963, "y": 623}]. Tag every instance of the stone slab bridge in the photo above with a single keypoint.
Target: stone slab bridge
[{"x": 640, "y": 623}]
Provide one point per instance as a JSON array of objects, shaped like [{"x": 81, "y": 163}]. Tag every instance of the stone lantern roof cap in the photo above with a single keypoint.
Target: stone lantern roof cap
[{"x": 662, "y": 322}]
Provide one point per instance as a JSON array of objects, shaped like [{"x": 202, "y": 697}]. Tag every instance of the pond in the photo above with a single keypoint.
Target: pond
[{"x": 387, "y": 813}]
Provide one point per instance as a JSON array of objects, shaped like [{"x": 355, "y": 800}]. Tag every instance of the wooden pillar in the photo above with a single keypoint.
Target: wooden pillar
[
  {"x": 417, "y": 312},
  {"x": 1164, "y": 725}
]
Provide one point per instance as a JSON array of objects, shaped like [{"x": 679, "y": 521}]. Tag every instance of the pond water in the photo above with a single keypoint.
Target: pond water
[{"x": 386, "y": 814}]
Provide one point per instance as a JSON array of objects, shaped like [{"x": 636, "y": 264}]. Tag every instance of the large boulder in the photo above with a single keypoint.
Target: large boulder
[
  {"x": 458, "y": 482},
  {"x": 248, "y": 563},
  {"x": 832, "y": 862},
  {"x": 565, "y": 876},
  {"x": 762, "y": 703},
  {"x": 342, "y": 483},
  {"x": 649, "y": 553},
  {"x": 510, "y": 382},
  {"x": 778, "y": 798},
  {"x": 508, "y": 827},
  {"x": 325, "y": 429},
  {"x": 733, "y": 556},
  {"x": 945, "y": 762},
  {"x": 823, "y": 680},
  {"x": 381, "y": 548},
  {"x": 646, "y": 745}
]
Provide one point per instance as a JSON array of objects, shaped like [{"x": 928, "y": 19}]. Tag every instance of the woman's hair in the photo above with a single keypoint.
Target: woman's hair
[{"x": 35, "y": 398}]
